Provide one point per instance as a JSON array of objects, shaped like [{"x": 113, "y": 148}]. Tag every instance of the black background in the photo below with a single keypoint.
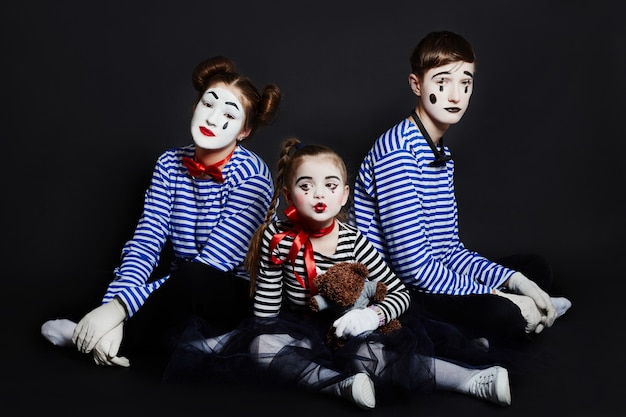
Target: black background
[{"x": 93, "y": 92}]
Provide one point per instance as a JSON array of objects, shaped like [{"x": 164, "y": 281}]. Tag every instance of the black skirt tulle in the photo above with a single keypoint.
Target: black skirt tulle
[{"x": 400, "y": 362}]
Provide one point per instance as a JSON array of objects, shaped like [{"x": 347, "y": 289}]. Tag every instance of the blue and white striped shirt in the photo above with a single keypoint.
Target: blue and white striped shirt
[
  {"x": 277, "y": 286},
  {"x": 408, "y": 210},
  {"x": 205, "y": 221}
]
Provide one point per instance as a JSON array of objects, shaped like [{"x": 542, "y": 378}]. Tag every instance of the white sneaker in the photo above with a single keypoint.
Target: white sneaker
[
  {"x": 561, "y": 305},
  {"x": 492, "y": 384},
  {"x": 359, "y": 389}
]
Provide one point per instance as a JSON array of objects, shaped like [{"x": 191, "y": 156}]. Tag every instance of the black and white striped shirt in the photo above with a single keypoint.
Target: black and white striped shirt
[{"x": 277, "y": 284}]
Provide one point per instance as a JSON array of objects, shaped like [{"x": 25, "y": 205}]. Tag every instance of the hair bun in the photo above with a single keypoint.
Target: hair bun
[{"x": 208, "y": 68}]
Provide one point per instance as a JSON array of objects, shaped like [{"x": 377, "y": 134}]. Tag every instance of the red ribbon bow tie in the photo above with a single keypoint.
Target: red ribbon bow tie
[
  {"x": 196, "y": 169},
  {"x": 301, "y": 239}
]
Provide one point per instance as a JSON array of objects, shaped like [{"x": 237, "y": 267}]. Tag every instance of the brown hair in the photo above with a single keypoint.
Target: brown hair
[
  {"x": 288, "y": 163},
  {"x": 440, "y": 48},
  {"x": 261, "y": 109}
]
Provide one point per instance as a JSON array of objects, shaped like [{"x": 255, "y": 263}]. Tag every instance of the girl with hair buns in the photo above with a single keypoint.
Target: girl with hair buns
[
  {"x": 285, "y": 341},
  {"x": 206, "y": 199}
]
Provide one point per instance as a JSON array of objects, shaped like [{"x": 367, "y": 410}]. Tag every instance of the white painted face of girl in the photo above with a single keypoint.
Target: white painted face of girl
[
  {"x": 445, "y": 92},
  {"x": 217, "y": 119},
  {"x": 319, "y": 191}
]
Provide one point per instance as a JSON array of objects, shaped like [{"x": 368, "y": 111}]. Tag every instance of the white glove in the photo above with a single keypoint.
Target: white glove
[
  {"x": 105, "y": 351},
  {"x": 356, "y": 321},
  {"x": 529, "y": 310},
  {"x": 519, "y": 284},
  {"x": 96, "y": 323}
]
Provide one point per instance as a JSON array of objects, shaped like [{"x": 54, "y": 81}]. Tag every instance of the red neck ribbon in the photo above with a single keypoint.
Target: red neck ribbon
[
  {"x": 300, "y": 239},
  {"x": 196, "y": 169}
]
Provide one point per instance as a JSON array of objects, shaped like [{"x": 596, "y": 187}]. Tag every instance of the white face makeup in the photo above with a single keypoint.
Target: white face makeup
[
  {"x": 445, "y": 92},
  {"x": 217, "y": 119},
  {"x": 319, "y": 191}
]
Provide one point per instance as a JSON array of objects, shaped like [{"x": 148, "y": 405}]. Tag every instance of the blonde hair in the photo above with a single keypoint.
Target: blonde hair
[{"x": 288, "y": 163}]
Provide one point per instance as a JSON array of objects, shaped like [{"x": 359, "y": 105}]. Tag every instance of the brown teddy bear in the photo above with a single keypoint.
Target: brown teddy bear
[{"x": 343, "y": 287}]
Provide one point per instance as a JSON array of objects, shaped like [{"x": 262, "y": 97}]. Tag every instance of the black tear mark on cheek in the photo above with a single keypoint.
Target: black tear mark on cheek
[
  {"x": 225, "y": 126},
  {"x": 466, "y": 89},
  {"x": 441, "y": 88},
  {"x": 433, "y": 98}
]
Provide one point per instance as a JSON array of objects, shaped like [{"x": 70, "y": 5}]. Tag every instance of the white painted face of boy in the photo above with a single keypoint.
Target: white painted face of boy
[
  {"x": 445, "y": 92},
  {"x": 217, "y": 119}
]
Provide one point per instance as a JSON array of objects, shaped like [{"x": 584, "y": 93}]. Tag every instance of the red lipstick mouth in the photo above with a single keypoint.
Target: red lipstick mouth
[
  {"x": 206, "y": 132},
  {"x": 320, "y": 207}
]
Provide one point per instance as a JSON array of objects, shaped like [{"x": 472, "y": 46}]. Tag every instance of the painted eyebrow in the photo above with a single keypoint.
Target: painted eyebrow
[
  {"x": 440, "y": 73},
  {"x": 230, "y": 103},
  {"x": 326, "y": 178},
  {"x": 469, "y": 74}
]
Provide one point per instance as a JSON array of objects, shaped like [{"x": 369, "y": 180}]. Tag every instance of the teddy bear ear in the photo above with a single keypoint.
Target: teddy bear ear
[{"x": 360, "y": 269}]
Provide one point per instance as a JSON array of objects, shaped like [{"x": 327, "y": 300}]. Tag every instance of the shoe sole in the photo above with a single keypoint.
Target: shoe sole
[
  {"x": 503, "y": 388},
  {"x": 365, "y": 400}
]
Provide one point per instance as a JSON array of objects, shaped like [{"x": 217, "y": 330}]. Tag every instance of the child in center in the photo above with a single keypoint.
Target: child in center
[{"x": 285, "y": 341}]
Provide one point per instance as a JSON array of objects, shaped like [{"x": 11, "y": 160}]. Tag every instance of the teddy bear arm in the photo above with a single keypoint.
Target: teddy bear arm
[
  {"x": 380, "y": 292},
  {"x": 375, "y": 290},
  {"x": 318, "y": 303}
]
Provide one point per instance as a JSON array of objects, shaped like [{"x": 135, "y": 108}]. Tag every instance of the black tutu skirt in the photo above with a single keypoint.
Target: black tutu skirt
[{"x": 292, "y": 350}]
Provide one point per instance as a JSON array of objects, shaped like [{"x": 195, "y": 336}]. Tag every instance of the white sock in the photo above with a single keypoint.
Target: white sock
[
  {"x": 452, "y": 377},
  {"x": 561, "y": 304},
  {"x": 59, "y": 332}
]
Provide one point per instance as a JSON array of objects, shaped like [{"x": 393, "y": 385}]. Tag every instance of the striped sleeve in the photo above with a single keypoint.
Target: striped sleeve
[
  {"x": 141, "y": 254},
  {"x": 398, "y": 299},
  {"x": 268, "y": 294}
]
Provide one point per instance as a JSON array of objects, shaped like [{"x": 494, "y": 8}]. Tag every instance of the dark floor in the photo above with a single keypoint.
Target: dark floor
[{"x": 567, "y": 377}]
